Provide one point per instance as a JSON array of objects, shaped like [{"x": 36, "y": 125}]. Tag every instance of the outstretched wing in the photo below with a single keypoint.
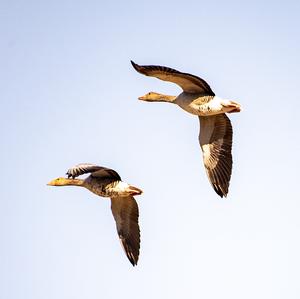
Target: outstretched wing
[
  {"x": 216, "y": 142},
  {"x": 189, "y": 83},
  {"x": 126, "y": 213},
  {"x": 96, "y": 171}
]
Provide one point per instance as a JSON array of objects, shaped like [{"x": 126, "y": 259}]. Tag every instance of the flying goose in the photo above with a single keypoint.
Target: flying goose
[
  {"x": 215, "y": 135},
  {"x": 106, "y": 182}
]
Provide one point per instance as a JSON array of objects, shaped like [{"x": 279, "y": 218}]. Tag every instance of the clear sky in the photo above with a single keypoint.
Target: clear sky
[{"x": 69, "y": 95}]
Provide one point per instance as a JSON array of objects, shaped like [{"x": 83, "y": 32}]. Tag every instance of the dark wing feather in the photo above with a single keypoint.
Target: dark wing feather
[
  {"x": 106, "y": 173},
  {"x": 216, "y": 142},
  {"x": 126, "y": 213},
  {"x": 189, "y": 83},
  {"x": 96, "y": 171}
]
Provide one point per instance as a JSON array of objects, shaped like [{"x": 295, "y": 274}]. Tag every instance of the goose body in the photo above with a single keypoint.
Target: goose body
[
  {"x": 215, "y": 135},
  {"x": 204, "y": 105},
  {"x": 106, "y": 182}
]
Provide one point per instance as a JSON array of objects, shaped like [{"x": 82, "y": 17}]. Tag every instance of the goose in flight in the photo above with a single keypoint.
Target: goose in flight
[
  {"x": 106, "y": 182},
  {"x": 215, "y": 135}
]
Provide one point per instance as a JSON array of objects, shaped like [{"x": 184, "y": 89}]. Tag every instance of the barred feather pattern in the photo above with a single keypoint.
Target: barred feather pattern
[
  {"x": 188, "y": 82},
  {"x": 82, "y": 168},
  {"x": 126, "y": 213},
  {"x": 216, "y": 142},
  {"x": 95, "y": 170}
]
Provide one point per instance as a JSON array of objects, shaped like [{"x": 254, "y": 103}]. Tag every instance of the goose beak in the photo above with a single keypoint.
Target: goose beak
[{"x": 51, "y": 183}]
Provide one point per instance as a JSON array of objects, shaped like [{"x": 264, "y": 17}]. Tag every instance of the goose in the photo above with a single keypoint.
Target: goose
[
  {"x": 215, "y": 135},
  {"x": 106, "y": 182}
]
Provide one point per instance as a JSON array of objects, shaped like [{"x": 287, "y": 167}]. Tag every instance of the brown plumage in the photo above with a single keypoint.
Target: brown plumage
[
  {"x": 215, "y": 135},
  {"x": 215, "y": 138},
  {"x": 187, "y": 82},
  {"x": 106, "y": 182},
  {"x": 126, "y": 214}
]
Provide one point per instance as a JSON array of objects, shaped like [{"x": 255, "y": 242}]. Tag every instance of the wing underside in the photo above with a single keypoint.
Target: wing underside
[
  {"x": 126, "y": 214},
  {"x": 216, "y": 143}
]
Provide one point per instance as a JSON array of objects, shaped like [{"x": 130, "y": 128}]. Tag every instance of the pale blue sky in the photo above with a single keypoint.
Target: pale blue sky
[{"x": 69, "y": 95}]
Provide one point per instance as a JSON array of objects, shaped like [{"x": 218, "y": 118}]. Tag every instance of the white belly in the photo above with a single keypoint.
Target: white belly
[
  {"x": 214, "y": 106},
  {"x": 202, "y": 106}
]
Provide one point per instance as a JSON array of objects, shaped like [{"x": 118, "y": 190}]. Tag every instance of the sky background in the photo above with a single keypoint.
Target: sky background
[{"x": 69, "y": 95}]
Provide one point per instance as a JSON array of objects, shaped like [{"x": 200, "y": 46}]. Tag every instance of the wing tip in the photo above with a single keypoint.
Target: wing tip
[
  {"x": 140, "y": 69},
  {"x": 133, "y": 258},
  {"x": 220, "y": 190},
  {"x": 135, "y": 66},
  {"x": 133, "y": 262}
]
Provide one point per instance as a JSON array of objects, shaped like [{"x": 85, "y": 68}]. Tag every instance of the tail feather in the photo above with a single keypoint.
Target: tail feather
[
  {"x": 234, "y": 105},
  {"x": 134, "y": 190}
]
